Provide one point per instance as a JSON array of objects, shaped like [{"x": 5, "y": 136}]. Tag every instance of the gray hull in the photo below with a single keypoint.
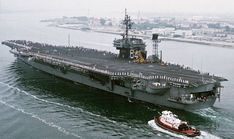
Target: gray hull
[{"x": 157, "y": 96}]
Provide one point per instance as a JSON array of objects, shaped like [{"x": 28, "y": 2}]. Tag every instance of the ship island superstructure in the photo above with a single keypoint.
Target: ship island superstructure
[{"x": 130, "y": 73}]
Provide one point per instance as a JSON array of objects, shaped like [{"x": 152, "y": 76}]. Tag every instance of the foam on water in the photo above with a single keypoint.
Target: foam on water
[
  {"x": 56, "y": 103},
  {"x": 213, "y": 115},
  {"x": 207, "y": 112},
  {"x": 40, "y": 119},
  {"x": 97, "y": 116},
  {"x": 204, "y": 135},
  {"x": 70, "y": 107}
]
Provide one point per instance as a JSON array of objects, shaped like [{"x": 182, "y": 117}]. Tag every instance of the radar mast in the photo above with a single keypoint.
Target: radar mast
[{"x": 128, "y": 24}]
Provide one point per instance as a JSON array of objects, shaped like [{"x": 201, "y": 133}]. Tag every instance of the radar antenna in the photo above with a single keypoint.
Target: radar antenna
[{"x": 128, "y": 24}]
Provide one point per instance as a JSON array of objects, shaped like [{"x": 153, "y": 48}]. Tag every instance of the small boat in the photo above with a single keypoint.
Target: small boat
[{"x": 172, "y": 123}]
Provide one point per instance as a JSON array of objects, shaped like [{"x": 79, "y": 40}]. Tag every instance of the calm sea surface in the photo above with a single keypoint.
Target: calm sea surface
[{"x": 34, "y": 104}]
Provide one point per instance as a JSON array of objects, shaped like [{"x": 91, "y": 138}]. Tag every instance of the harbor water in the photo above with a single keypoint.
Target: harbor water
[{"x": 38, "y": 105}]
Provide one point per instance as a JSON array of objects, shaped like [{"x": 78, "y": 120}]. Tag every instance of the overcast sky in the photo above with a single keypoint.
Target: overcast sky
[{"x": 157, "y": 6}]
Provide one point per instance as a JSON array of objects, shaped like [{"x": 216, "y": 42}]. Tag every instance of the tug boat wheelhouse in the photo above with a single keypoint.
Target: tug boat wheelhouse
[{"x": 170, "y": 122}]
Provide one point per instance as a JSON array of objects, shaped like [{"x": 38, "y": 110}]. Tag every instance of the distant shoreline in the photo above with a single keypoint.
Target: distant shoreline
[
  {"x": 217, "y": 44},
  {"x": 208, "y": 43}
]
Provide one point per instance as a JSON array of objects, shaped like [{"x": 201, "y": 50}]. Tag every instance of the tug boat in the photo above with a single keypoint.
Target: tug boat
[{"x": 170, "y": 122}]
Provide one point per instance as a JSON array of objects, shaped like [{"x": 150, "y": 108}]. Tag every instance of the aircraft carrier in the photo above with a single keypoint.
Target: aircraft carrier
[{"x": 130, "y": 73}]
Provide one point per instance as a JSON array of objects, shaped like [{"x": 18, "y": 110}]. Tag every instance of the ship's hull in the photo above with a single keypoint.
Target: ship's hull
[{"x": 158, "y": 97}]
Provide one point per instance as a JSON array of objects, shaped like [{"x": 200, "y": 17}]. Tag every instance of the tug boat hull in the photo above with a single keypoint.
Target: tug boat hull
[{"x": 191, "y": 132}]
